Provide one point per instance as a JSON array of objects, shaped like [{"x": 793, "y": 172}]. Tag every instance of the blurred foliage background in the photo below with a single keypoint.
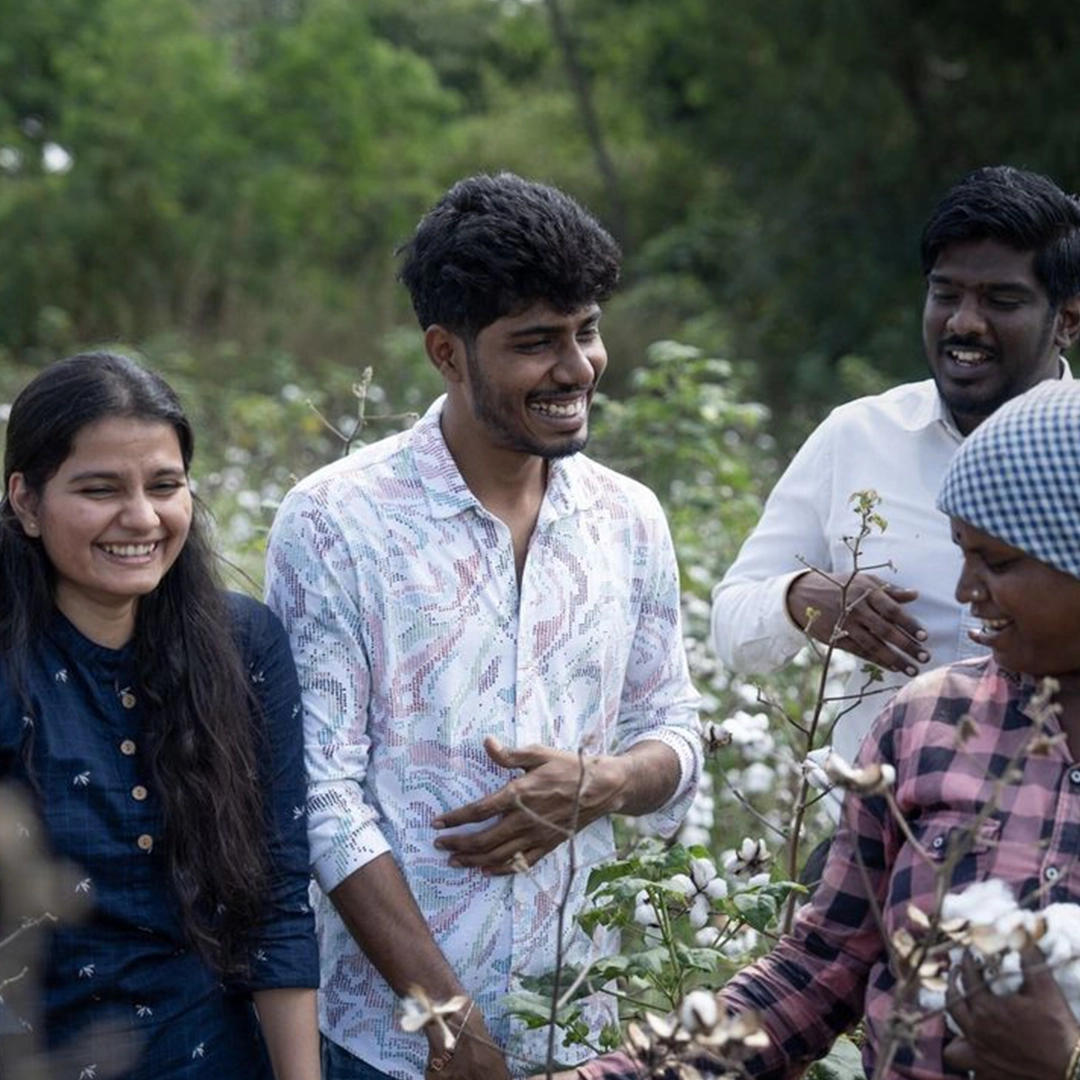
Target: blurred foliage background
[
  {"x": 219, "y": 186},
  {"x": 221, "y": 183}
]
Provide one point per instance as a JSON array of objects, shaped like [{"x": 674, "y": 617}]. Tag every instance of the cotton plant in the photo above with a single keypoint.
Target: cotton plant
[
  {"x": 986, "y": 920},
  {"x": 683, "y": 917},
  {"x": 748, "y": 862},
  {"x": 692, "y": 894},
  {"x": 701, "y": 1033},
  {"x": 693, "y": 914}
]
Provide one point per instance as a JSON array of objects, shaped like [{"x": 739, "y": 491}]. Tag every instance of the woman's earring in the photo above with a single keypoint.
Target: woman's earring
[{"x": 31, "y": 528}]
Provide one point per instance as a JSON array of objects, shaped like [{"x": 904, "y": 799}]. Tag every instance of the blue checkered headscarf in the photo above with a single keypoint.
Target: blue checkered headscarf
[{"x": 1017, "y": 476}]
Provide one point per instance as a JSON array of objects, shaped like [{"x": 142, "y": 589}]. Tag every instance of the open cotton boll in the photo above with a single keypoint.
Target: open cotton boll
[
  {"x": 982, "y": 903},
  {"x": 996, "y": 930},
  {"x": 1061, "y": 947}
]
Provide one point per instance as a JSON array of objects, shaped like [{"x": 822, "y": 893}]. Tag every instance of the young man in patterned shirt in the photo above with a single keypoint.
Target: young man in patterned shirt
[{"x": 486, "y": 625}]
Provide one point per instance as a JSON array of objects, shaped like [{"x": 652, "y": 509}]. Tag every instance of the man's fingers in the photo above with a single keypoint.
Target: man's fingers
[
  {"x": 518, "y": 863},
  {"x": 889, "y": 603},
  {"x": 479, "y": 842},
  {"x": 872, "y": 636},
  {"x": 956, "y": 1003},
  {"x": 527, "y": 757},
  {"x": 866, "y": 637},
  {"x": 488, "y": 807},
  {"x": 512, "y": 857},
  {"x": 960, "y": 1055},
  {"x": 1037, "y": 973}
]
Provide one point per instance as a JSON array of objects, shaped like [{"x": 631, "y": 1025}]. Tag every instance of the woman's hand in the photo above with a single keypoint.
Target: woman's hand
[{"x": 1029, "y": 1034}]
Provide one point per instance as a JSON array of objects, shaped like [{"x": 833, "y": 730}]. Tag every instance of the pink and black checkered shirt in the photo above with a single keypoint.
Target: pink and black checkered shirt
[{"x": 833, "y": 968}]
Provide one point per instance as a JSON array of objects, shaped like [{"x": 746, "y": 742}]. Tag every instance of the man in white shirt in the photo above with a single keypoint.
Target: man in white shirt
[
  {"x": 1001, "y": 254},
  {"x": 486, "y": 625}
]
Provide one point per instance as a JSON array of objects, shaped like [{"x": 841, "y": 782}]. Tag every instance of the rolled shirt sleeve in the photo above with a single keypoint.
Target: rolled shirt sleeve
[
  {"x": 283, "y": 950},
  {"x": 659, "y": 701},
  {"x": 312, "y": 585}
]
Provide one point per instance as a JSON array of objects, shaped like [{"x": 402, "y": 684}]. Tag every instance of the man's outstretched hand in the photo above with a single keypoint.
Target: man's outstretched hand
[
  {"x": 876, "y": 626},
  {"x": 537, "y": 811}
]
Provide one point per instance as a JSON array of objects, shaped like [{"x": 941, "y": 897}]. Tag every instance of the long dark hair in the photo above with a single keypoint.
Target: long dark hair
[{"x": 196, "y": 696}]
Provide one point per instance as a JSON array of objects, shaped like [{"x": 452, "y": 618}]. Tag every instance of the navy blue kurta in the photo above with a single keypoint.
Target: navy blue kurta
[{"x": 128, "y": 971}]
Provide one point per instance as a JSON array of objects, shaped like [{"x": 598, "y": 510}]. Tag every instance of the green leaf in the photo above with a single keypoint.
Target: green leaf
[{"x": 844, "y": 1062}]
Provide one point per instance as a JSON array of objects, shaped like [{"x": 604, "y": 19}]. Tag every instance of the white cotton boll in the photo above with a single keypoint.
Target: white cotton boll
[
  {"x": 751, "y": 858},
  {"x": 702, "y": 871},
  {"x": 692, "y": 835},
  {"x": 644, "y": 913},
  {"x": 750, "y": 850},
  {"x": 700, "y": 910},
  {"x": 760, "y": 748},
  {"x": 758, "y": 881},
  {"x": 680, "y": 883},
  {"x": 709, "y": 937},
  {"x": 813, "y": 768},
  {"x": 750, "y": 733},
  {"x": 1009, "y": 976},
  {"x": 645, "y": 917},
  {"x": 697, "y": 826},
  {"x": 741, "y": 945},
  {"x": 758, "y": 779},
  {"x": 982, "y": 903},
  {"x": 717, "y": 889},
  {"x": 699, "y": 1012},
  {"x": 1061, "y": 947},
  {"x": 1061, "y": 942}
]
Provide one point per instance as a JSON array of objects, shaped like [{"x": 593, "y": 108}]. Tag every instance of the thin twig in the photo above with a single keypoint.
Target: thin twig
[{"x": 560, "y": 915}]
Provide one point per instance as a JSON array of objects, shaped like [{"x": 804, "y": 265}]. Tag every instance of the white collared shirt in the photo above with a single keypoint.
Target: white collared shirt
[
  {"x": 414, "y": 641},
  {"x": 899, "y": 444}
]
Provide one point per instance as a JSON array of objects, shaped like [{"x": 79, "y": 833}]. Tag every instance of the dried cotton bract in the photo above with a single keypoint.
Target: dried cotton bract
[
  {"x": 418, "y": 1011},
  {"x": 701, "y": 1037},
  {"x": 872, "y": 779}
]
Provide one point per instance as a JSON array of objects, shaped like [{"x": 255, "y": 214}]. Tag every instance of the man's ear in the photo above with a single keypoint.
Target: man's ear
[
  {"x": 25, "y": 504},
  {"x": 1068, "y": 322},
  {"x": 446, "y": 351}
]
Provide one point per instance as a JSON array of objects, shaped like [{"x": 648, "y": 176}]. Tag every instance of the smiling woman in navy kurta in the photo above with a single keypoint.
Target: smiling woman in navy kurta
[{"x": 128, "y": 966}]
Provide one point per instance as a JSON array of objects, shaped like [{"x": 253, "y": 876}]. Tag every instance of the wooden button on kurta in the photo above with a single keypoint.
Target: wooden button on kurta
[
  {"x": 127, "y": 748},
  {"x": 145, "y": 842},
  {"x": 127, "y": 699},
  {"x": 138, "y": 792}
]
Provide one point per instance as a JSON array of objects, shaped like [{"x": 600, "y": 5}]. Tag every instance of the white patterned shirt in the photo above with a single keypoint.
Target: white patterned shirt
[
  {"x": 899, "y": 444},
  {"x": 414, "y": 641}
]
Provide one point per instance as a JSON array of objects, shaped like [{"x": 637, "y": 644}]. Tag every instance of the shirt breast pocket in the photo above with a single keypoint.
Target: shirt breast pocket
[
  {"x": 950, "y": 844},
  {"x": 961, "y": 845}
]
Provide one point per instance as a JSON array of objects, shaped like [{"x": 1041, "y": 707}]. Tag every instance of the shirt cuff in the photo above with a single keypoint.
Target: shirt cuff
[
  {"x": 783, "y": 585},
  {"x": 666, "y": 819},
  {"x": 343, "y": 833}
]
